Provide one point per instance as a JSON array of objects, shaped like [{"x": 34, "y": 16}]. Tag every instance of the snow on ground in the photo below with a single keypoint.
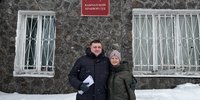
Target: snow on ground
[{"x": 186, "y": 91}]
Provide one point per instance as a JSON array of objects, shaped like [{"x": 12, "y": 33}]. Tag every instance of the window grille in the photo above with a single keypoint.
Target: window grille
[
  {"x": 166, "y": 42},
  {"x": 35, "y": 44}
]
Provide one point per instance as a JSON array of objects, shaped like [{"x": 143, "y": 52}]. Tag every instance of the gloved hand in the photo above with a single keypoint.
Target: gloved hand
[
  {"x": 84, "y": 87},
  {"x": 133, "y": 86}
]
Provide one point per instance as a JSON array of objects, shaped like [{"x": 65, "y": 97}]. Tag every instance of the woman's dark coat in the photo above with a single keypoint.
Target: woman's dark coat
[
  {"x": 119, "y": 85},
  {"x": 98, "y": 68}
]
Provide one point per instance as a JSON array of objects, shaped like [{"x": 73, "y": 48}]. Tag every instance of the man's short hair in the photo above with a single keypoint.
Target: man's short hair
[{"x": 95, "y": 41}]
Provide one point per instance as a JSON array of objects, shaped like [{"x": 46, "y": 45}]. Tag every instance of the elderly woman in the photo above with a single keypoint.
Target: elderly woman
[{"x": 120, "y": 79}]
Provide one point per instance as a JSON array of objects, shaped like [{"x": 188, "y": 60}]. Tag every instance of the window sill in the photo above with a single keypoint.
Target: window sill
[{"x": 48, "y": 75}]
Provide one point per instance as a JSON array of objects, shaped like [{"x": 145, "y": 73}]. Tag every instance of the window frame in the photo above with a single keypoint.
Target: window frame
[
  {"x": 20, "y": 67},
  {"x": 158, "y": 12}
]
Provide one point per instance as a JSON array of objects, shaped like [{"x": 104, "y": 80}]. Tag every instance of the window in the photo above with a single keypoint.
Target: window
[
  {"x": 166, "y": 42},
  {"x": 35, "y": 44}
]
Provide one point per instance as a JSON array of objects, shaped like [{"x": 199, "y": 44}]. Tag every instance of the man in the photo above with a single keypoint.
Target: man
[{"x": 94, "y": 63}]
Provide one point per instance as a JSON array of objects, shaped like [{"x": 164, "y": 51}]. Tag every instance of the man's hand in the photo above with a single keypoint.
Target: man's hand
[{"x": 84, "y": 87}]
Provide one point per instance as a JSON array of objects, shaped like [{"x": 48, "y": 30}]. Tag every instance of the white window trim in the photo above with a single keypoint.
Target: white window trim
[
  {"x": 162, "y": 12},
  {"x": 19, "y": 63}
]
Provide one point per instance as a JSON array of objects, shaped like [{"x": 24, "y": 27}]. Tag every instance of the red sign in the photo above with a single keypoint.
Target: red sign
[{"x": 95, "y": 7}]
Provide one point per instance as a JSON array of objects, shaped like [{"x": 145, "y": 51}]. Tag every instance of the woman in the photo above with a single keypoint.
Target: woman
[{"x": 120, "y": 79}]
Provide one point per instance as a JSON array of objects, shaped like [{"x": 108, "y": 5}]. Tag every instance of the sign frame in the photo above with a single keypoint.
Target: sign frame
[{"x": 95, "y": 7}]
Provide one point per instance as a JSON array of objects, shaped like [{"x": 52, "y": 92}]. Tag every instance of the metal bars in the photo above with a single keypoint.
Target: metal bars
[
  {"x": 35, "y": 44},
  {"x": 166, "y": 42}
]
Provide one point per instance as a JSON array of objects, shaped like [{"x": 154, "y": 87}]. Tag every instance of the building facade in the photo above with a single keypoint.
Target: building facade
[{"x": 69, "y": 34}]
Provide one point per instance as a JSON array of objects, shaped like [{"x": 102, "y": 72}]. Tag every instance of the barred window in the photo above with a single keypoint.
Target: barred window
[
  {"x": 35, "y": 44},
  {"x": 166, "y": 42}
]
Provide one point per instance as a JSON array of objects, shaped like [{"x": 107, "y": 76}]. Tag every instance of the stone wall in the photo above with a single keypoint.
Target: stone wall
[{"x": 73, "y": 34}]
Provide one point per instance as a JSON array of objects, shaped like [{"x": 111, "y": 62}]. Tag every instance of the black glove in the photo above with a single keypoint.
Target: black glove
[
  {"x": 84, "y": 87},
  {"x": 133, "y": 86}
]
